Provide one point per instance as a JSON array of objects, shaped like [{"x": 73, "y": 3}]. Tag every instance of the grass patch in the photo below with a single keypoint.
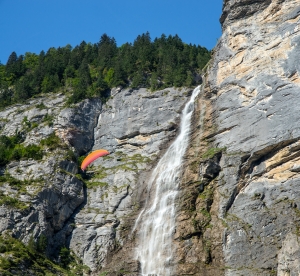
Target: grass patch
[
  {"x": 210, "y": 153},
  {"x": 48, "y": 119},
  {"x": 194, "y": 166},
  {"x": 101, "y": 172},
  {"x": 13, "y": 182},
  {"x": 29, "y": 125},
  {"x": 130, "y": 163},
  {"x": 12, "y": 202},
  {"x": 94, "y": 184},
  {"x": 41, "y": 106},
  {"x": 205, "y": 213},
  {"x": 206, "y": 194},
  {"x": 21, "y": 188}
]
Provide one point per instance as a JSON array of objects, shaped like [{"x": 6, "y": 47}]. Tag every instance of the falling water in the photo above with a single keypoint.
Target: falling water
[{"x": 156, "y": 222}]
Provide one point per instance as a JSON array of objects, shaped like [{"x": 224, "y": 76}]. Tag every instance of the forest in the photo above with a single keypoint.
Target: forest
[{"x": 91, "y": 70}]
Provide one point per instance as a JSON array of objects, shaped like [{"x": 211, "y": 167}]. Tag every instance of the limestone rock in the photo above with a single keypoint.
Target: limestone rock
[
  {"x": 47, "y": 191},
  {"x": 249, "y": 109},
  {"x": 238, "y": 209},
  {"x": 76, "y": 125},
  {"x": 134, "y": 126},
  {"x": 94, "y": 219}
]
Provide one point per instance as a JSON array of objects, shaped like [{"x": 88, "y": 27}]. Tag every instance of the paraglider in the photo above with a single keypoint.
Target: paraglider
[{"x": 92, "y": 157}]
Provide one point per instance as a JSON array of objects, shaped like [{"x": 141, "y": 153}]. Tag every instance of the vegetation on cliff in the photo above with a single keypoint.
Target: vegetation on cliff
[
  {"x": 89, "y": 70},
  {"x": 16, "y": 258},
  {"x": 12, "y": 149}
]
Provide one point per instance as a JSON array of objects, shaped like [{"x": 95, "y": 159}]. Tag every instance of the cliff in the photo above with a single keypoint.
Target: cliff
[
  {"x": 237, "y": 212},
  {"x": 40, "y": 193},
  {"x": 135, "y": 126},
  {"x": 240, "y": 198},
  {"x": 89, "y": 213}
]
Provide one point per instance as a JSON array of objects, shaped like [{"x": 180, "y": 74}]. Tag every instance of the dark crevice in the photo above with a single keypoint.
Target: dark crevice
[
  {"x": 208, "y": 171},
  {"x": 127, "y": 192},
  {"x": 257, "y": 157},
  {"x": 231, "y": 199},
  {"x": 69, "y": 221},
  {"x": 151, "y": 97},
  {"x": 137, "y": 133},
  {"x": 190, "y": 235},
  {"x": 281, "y": 86},
  {"x": 248, "y": 162},
  {"x": 129, "y": 136}
]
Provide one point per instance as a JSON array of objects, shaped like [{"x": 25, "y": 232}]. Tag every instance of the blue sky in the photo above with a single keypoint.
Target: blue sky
[{"x": 35, "y": 25}]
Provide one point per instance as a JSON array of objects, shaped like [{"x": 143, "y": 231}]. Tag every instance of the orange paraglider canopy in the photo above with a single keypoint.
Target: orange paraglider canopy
[{"x": 92, "y": 157}]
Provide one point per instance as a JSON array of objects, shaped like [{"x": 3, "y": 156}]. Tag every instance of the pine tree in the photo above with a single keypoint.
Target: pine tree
[
  {"x": 107, "y": 49},
  {"x": 11, "y": 61},
  {"x": 91, "y": 69},
  {"x": 14, "y": 66}
]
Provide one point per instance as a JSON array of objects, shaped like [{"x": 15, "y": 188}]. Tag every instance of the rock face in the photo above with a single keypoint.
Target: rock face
[
  {"x": 245, "y": 221},
  {"x": 90, "y": 213},
  {"x": 135, "y": 127},
  {"x": 238, "y": 212},
  {"x": 47, "y": 190}
]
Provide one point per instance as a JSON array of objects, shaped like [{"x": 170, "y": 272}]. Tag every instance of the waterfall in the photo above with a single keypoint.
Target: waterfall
[{"x": 156, "y": 222}]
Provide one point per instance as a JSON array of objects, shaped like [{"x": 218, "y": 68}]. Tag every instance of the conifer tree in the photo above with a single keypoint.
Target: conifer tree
[{"x": 92, "y": 69}]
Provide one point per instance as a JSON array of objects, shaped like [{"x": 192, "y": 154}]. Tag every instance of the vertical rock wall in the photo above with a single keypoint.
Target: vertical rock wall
[
  {"x": 245, "y": 216},
  {"x": 46, "y": 191},
  {"x": 135, "y": 126},
  {"x": 239, "y": 208},
  {"x": 92, "y": 213}
]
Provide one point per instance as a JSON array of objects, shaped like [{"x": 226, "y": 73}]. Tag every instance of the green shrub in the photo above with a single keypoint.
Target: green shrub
[
  {"x": 20, "y": 259},
  {"x": 31, "y": 244},
  {"x": 42, "y": 243},
  {"x": 29, "y": 125},
  {"x": 2, "y": 248},
  {"x": 80, "y": 159},
  {"x": 70, "y": 156},
  {"x": 51, "y": 142},
  {"x": 48, "y": 119},
  {"x": 12, "y": 149},
  {"x": 65, "y": 257},
  {"x": 5, "y": 263},
  {"x": 30, "y": 151}
]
